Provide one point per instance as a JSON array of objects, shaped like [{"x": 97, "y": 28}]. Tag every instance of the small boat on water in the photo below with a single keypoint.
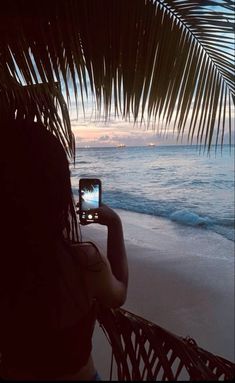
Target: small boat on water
[
  {"x": 151, "y": 144},
  {"x": 121, "y": 146}
]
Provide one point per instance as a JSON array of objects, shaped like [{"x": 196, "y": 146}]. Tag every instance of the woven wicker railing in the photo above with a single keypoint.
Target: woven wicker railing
[{"x": 144, "y": 351}]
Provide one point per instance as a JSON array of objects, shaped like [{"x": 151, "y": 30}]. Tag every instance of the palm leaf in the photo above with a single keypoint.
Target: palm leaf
[
  {"x": 150, "y": 59},
  {"x": 43, "y": 103}
]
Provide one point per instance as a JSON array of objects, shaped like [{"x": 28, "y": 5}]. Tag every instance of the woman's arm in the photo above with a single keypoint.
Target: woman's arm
[
  {"x": 109, "y": 282},
  {"x": 116, "y": 251}
]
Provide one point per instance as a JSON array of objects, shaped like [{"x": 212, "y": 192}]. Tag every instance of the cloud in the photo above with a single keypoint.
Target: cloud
[
  {"x": 89, "y": 132},
  {"x": 104, "y": 138}
]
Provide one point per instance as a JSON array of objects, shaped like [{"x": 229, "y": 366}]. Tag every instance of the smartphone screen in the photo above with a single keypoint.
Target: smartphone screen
[{"x": 89, "y": 199}]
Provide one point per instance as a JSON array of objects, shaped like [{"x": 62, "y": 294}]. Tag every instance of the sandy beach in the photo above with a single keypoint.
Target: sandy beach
[{"x": 181, "y": 278}]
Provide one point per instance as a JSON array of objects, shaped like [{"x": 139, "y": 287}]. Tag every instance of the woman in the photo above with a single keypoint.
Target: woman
[{"x": 49, "y": 281}]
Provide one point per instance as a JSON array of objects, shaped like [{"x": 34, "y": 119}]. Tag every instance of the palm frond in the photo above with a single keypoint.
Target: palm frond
[
  {"x": 43, "y": 103},
  {"x": 156, "y": 59}
]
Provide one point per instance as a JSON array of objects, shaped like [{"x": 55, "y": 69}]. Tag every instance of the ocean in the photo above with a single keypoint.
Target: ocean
[{"x": 177, "y": 182}]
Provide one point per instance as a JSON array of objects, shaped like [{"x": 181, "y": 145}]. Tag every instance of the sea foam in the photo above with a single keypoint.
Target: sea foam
[{"x": 188, "y": 218}]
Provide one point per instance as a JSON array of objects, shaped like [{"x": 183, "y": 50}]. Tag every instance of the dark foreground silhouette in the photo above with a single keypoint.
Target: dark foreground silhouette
[{"x": 50, "y": 283}]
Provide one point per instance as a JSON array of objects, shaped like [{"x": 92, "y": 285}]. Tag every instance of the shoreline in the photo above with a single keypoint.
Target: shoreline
[
  {"x": 180, "y": 277},
  {"x": 150, "y": 231}
]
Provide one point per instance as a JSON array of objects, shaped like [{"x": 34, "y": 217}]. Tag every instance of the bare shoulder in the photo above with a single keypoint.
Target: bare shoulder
[
  {"x": 89, "y": 256},
  {"x": 101, "y": 284}
]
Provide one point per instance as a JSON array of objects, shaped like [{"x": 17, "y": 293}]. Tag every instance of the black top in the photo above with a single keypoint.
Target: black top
[
  {"x": 50, "y": 354},
  {"x": 47, "y": 328}
]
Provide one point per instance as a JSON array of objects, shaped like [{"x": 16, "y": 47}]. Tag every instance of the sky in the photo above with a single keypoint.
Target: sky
[
  {"x": 89, "y": 131},
  {"x": 116, "y": 132}
]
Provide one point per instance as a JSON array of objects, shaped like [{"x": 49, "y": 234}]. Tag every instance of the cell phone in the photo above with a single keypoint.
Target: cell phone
[{"x": 89, "y": 199}]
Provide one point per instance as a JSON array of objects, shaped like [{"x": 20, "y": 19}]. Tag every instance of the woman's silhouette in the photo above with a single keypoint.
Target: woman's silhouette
[{"x": 49, "y": 282}]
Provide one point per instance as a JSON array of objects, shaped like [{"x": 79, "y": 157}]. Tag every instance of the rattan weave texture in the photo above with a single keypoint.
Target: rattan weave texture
[{"x": 144, "y": 351}]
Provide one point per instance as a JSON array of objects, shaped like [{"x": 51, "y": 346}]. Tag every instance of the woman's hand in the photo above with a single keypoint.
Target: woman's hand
[{"x": 107, "y": 216}]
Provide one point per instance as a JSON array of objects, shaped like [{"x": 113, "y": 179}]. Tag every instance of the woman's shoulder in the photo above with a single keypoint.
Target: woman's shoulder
[
  {"x": 100, "y": 282},
  {"x": 88, "y": 256}
]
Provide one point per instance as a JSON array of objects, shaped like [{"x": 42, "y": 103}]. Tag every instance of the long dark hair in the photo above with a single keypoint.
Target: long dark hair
[{"x": 35, "y": 191}]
